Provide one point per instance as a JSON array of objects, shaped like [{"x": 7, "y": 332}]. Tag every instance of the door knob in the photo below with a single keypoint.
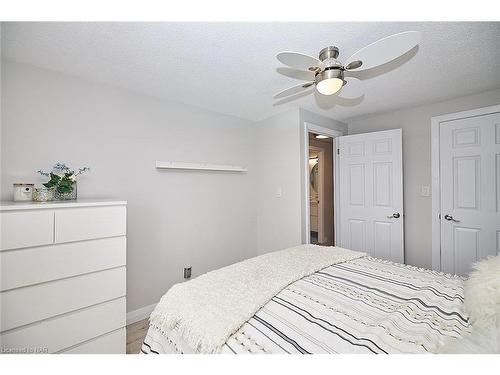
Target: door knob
[
  {"x": 450, "y": 218},
  {"x": 395, "y": 215}
]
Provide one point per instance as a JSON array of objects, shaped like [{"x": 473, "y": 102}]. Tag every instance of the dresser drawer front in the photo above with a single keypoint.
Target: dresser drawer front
[
  {"x": 47, "y": 263},
  {"x": 26, "y": 228},
  {"x": 71, "y": 329},
  {"x": 34, "y": 303},
  {"x": 111, "y": 343},
  {"x": 90, "y": 223}
]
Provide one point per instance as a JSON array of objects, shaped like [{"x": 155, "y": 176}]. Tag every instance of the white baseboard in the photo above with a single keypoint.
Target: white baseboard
[{"x": 140, "y": 314}]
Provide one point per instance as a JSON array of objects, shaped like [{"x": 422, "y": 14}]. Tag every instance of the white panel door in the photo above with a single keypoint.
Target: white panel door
[
  {"x": 371, "y": 193},
  {"x": 470, "y": 191}
]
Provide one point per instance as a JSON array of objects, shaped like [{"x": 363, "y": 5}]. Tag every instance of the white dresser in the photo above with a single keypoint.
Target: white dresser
[{"x": 63, "y": 277}]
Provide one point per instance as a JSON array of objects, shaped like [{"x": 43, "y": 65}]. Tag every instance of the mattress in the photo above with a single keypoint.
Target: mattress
[{"x": 366, "y": 305}]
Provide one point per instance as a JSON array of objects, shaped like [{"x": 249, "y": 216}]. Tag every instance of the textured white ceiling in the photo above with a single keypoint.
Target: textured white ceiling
[{"x": 231, "y": 67}]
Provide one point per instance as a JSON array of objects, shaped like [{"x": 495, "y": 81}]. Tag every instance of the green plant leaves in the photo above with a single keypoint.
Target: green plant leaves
[
  {"x": 65, "y": 185},
  {"x": 62, "y": 184},
  {"x": 54, "y": 181}
]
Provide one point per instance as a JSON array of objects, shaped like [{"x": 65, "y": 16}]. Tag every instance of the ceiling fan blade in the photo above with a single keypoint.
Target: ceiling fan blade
[
  {"x": 295, "y": 73},
  {"x": 352, "y": 89},
  {"x": 386, "y": 49},
  {"x": 293, "y": 90},
  {"x": 299, "y": 61}
]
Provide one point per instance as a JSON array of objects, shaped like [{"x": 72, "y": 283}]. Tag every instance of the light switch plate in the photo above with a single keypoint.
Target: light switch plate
[
  {"x": 425, "y": 191},
  {"x": 279, "y": 192}
]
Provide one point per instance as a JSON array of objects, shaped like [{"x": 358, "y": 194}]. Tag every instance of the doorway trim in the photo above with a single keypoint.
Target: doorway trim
[
  {"x": 306, "y": 215},
  {"x": 436, "y": 181}
]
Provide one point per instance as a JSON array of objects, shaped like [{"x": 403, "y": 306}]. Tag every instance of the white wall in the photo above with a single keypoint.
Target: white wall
[
  {"x": 279, "y": 150},
  {"x": 278, "y": 161},
  {"x": 206, "y": 219},
  {"x": 416, "y": 125}
]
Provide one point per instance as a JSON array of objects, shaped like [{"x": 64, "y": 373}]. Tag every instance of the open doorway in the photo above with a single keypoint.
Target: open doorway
[{"x": 321, "y": 189}]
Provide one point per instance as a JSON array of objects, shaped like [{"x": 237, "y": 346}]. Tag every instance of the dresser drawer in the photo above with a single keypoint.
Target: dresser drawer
[
  {"x": 71, "y": 329},
  {"x": 111, "y": 343},
  {"x": 26, "y": 228},
  {"x": 33, "y": 303},
  {"x": 90, "y": 223},
  {"x": 47, "y": 263}
]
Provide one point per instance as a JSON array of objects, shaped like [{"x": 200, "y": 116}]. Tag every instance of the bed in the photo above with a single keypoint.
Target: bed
[{"x": 362, "y": 305}]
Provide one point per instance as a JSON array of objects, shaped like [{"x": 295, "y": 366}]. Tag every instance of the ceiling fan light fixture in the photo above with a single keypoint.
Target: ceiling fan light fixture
[
  {"x": 329, "y": 86},
  {"x": 329, "y": 81}
]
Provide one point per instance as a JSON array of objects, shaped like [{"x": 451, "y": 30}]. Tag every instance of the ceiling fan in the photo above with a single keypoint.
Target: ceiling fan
[{"x": 328, "y": 74}]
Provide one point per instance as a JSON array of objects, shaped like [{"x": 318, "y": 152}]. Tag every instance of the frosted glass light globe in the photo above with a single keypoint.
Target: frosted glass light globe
[{"x": 329, "y": 86}]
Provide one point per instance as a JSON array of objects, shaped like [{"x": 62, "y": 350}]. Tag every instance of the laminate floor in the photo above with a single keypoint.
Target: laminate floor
[{"x": 135, "y": 336}]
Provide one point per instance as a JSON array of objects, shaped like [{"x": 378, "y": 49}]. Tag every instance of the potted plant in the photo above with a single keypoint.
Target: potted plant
[{"x": 63, "y": 181}]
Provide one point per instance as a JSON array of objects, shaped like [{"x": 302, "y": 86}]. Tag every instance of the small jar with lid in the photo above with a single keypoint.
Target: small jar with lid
[{"x": 23, "y": 192}]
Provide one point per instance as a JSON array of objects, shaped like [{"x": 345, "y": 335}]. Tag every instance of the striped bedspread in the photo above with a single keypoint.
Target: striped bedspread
[{"x": 366, "y": 305}]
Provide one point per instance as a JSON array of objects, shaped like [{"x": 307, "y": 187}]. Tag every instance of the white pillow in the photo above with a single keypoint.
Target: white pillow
[{"x": 482, "y": 292}]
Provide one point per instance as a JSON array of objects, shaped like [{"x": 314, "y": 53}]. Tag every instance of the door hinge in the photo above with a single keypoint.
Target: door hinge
[{"x": 338, "y": 151}]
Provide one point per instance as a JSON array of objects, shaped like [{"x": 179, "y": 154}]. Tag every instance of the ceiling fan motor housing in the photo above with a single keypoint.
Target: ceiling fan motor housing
[
  {"x": 329, "y": 56},
  {"x": 333, "y": 68},
  {"x": 330, "y": 52}
]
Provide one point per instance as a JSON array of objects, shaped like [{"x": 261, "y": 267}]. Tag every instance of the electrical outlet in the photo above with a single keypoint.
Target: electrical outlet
[{"x": 187, "y": 272}]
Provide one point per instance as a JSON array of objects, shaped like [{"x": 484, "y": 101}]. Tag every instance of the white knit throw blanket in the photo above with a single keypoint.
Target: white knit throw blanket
[{"x": 207, "y": 310}]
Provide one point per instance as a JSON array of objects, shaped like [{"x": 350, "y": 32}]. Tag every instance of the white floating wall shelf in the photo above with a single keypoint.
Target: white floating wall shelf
[{"x": 199, "y": 166}]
